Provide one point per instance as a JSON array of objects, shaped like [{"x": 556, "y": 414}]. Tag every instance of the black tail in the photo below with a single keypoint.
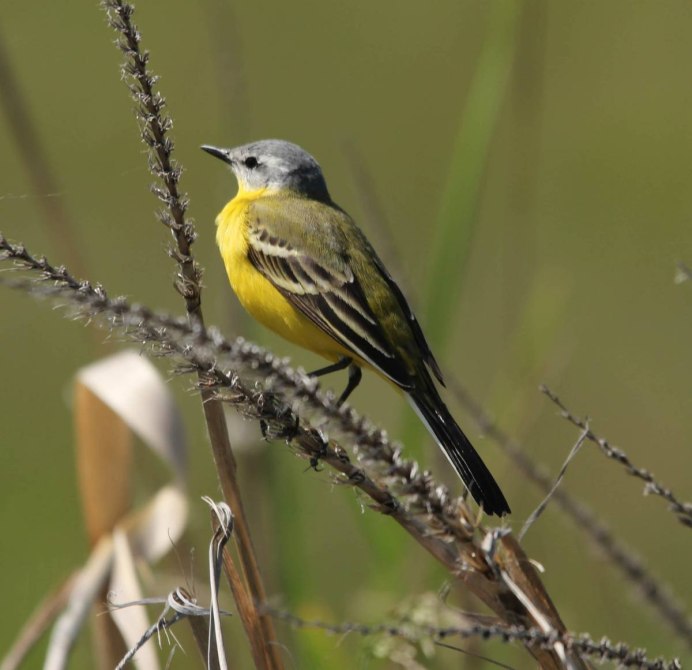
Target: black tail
[{"x": 459, "y": 450}]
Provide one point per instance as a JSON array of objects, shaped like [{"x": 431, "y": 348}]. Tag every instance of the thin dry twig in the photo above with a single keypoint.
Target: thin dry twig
[
  {"x": 491, "y": 564},
  {"x": 604, "y": 650},
  {"x": 655, "y": 592},
  {"x": 533, "y": 517},
  {"x": 154, "y": 125},
  {"x": 683, "y": 510},
  {"x": 178, "y": 605}
]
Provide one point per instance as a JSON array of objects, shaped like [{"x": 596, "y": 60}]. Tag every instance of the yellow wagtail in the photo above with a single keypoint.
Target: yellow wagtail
[{"x": 300, "y": 265}]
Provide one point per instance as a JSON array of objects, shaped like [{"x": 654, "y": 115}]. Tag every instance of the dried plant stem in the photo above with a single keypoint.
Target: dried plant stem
[
  {"x": 262, "y": 635},
  {"x": 246, "y": 610},
  {"x": 624, "y": 558},
  {"x": 605, "y": 650},
  {"x": 491, "y": 564},
  {"x": 683, "y": 510},
  {"x": 154, "y": 127}
]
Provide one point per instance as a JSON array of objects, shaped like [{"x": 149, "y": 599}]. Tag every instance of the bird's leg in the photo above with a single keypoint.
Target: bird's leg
[
  {"x": 339, "y": 365},
  {"x": 354, "y": 376}
]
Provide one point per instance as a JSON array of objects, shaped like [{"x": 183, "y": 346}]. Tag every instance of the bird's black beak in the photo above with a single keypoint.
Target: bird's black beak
[{"x": 222, "y": 154}]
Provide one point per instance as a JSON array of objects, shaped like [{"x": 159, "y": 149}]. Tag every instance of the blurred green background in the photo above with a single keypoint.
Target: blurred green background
[{"x": 573, "y": 213}]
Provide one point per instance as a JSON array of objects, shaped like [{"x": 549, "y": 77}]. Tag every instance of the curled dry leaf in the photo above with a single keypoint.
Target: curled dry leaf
[{"x": 133, "y": 388}]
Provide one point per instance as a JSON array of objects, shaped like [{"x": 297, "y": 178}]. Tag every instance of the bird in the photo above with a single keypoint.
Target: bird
[{"x": 300, "y": 265}]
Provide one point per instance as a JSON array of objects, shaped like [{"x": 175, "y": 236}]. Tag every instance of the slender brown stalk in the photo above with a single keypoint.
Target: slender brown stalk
[
  {"x": 246, "y": 610},
  {"x": 155, "y": 124}
]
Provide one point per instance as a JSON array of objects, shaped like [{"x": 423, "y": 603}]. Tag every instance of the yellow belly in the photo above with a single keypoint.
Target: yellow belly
[{"x": 257, "y": 294}]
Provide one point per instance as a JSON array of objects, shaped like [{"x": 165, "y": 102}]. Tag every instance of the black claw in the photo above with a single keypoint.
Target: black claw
[
  {"x": 354, "y": 376},
  {"x": 315, "y": 464}
]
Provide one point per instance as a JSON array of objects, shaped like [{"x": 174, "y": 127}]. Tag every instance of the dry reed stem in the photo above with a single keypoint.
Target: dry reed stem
[
  {"x": 491, "y": 564},
  {"x": 154, "y": 128},
  {"x": 246, "y": 611}
]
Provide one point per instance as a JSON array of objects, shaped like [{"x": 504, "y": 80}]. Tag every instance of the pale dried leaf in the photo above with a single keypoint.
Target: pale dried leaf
[
  {"x": 153, "y": 529},
  {"x": 125, "y": 586},
  {"x": 150, "y": 533},
  {"x": 132, "y": 387}
]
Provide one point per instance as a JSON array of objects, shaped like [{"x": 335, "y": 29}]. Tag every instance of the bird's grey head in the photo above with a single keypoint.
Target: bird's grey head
[{"x": 274, "y": 165}]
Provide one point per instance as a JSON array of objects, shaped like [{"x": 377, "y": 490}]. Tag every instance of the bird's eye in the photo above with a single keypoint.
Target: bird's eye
[{"x": 250, "y": 162}]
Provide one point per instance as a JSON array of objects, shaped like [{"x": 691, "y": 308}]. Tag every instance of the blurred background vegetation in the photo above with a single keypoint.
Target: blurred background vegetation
[{"x": 534, "y": 213}]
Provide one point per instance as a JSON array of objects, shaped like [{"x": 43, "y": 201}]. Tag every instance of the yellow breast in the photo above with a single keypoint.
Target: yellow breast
[{"x": 256, "y": 293}]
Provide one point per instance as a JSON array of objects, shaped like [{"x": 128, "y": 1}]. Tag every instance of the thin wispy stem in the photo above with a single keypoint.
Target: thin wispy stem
[
  {"x": 179, "y": 605},
  {"x": 683, "y": 510},
  {"x": 656, "y": 593},
  {"x": 155, "y": 124},
  {"x": 535, "y": 515},
  {"x": 604, "y": 650}
]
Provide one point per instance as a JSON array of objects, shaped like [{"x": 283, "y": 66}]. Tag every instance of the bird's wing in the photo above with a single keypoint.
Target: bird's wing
[
  {"x": 417, "y": 331},
  {"x": 318, "y": 281}
]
